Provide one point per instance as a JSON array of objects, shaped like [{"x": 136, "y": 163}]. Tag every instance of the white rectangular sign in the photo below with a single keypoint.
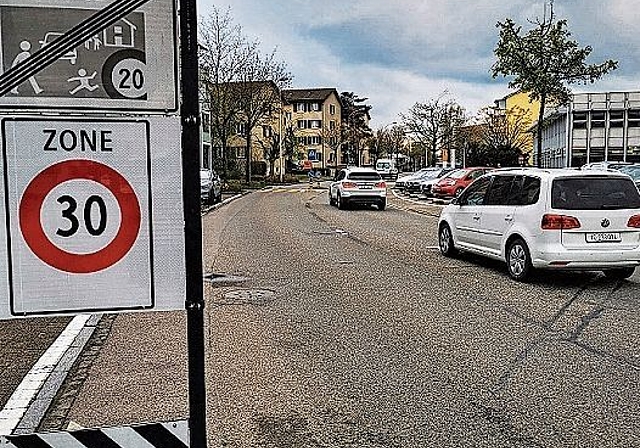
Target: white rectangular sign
[
  {"x": 83, "y": 229},
  {"x": 131, "y": 64}
]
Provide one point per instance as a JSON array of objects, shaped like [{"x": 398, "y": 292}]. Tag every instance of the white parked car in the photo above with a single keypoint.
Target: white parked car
[
  {"x": 547, "y": 219},
  {"x": 358, "y": 186}
]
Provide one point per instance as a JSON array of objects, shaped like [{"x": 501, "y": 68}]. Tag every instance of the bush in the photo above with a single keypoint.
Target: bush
[
  {"x": 258, "y": 168},
  {"x": 286, "y": 179}
]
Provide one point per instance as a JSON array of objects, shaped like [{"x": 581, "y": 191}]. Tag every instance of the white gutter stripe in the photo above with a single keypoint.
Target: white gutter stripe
[
  {"x": 179, "y": 429},
  {"x": 18, "y": 403}
]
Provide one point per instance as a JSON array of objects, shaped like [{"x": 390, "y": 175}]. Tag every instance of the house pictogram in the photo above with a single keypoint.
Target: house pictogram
[{"x": 121, "y": 34}]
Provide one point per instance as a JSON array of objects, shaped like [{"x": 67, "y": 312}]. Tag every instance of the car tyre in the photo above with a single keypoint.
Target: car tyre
[
  {"x": 620, "y": 273},
  {"x": 445, "y": 241},
  {"x": 382, "y": 204},
  {"x": 331, "y": 200},
  {"x": 341, "y": 203},
  {"x": 519, "y": 260}
]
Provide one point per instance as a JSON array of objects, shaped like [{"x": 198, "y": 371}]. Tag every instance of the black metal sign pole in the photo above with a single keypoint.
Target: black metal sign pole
[{"x": 190, "y": 115}]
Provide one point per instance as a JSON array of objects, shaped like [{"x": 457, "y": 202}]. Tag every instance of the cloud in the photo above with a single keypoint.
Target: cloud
[{"x": 402, "y": 51}]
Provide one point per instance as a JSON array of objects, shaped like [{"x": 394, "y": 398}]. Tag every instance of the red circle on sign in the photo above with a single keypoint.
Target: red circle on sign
[{"x": 33, "y": 232}]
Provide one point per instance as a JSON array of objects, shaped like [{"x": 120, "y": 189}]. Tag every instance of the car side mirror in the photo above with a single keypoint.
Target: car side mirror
[{"x": 455, "y": 201}]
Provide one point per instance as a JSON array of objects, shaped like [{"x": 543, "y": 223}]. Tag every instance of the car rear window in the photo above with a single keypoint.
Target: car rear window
[
  {"x": 594, "y": 193},
  {"x": 364, "y": 176}
]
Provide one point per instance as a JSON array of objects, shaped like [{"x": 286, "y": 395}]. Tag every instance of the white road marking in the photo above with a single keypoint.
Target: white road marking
[{"x": 18, "y": 403}]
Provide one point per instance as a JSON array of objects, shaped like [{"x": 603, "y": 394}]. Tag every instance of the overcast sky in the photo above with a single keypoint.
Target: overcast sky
[{"x": 399, "y": 52}]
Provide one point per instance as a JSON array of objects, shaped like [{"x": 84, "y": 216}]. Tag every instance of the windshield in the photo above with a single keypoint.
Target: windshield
[
  {"x": 458, "y": 174},
  {"x": 594, "y": 193}
]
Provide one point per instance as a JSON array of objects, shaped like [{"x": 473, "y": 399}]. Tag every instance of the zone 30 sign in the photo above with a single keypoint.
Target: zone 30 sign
[{"x": 78, "y": 204}]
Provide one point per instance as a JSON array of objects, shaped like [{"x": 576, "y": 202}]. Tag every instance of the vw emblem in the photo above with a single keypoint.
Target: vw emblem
[{"x": 605, "y": 222}]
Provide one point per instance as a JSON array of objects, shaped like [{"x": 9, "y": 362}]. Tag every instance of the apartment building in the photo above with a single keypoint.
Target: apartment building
[
  {"x": 593, "y": 127},
  {"x": 314, "y": 115}
]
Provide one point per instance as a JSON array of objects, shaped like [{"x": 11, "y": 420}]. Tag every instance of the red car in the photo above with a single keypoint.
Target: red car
[{"x": 455, "y": 182}]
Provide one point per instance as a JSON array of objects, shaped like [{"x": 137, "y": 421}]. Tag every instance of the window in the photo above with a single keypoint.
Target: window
[
  {"x": 241, "y": 129},
  {"x": 332, "y": 124},
  {"x": 594, "y": 193},
  {"x": 597, "y": 119},
  {"x": 527, "y": 191},
  {"x": 579, "y": 120},
  {"x": 316, "y": 106},
  {"x": 267, "y": 131},
  {"x": 302, "y": 124},
  {"x": 299, "y": 107},
  {"x": 616, "y": 118},
  {"x": 332, "y": 109},
  {"x": 634, "y": 118},
  {"x": 364, "y": 176},
  {"x": 500, "y": 191},
  {"x": 205, "y": 122},
  {"x": 475, "y": 193}
]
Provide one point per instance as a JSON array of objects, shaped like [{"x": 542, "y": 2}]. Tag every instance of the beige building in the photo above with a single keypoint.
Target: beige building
[{"x": 315, "y": 117}]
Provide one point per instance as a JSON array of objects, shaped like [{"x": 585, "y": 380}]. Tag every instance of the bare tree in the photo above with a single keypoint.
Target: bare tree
[
  {"x": 258, "y": 94},
  {"x": 505, "y": 134},
  {"x": 434, "y": 124},
  {"x": 224, "y": 51}
]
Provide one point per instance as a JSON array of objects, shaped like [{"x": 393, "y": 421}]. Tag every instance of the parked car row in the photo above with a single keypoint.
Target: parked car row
[
  {"x": 440, "y": 182},
  {"x": 210, "y": 187}
]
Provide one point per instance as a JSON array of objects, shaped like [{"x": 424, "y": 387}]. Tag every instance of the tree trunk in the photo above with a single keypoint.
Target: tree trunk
[
  {"x": 248, "y": 168},
  {"x": 539, "y": 130}
]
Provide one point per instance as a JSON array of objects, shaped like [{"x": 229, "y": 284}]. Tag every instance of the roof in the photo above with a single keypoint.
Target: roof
[
  {"x": 320, "y": 94},
  {"x": 556, "y": 172}
]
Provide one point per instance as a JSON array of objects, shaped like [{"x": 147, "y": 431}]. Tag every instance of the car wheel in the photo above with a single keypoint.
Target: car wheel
[
  {"x": 519, "y": 260},
  {"x": 382, "y": 204},
  {"x": 342, "y": 204},
  {"x": 620, "y": 273},
  {"x": 445, "y": 241},
  {"x": 458, "y": 192}
]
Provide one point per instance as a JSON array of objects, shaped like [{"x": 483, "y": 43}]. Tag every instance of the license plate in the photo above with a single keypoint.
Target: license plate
[{"x": 603, "y": 237}]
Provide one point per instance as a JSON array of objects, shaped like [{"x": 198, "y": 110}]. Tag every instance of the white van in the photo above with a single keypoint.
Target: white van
[
  {"x": 547, "y": 219},
  {"x": 387, "y": 168}
]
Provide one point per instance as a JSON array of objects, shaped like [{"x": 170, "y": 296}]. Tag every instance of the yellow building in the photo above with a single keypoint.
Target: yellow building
[{"x": 511, "y": 104}]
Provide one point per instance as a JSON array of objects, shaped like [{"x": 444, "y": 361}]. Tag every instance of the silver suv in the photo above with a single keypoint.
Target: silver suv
[{"x": 358, "y": 186}]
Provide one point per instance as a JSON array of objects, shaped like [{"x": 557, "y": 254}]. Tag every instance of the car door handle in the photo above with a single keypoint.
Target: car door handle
[
  {"x": 508, "y": 218},
  {"x": 476, "y": 217}
]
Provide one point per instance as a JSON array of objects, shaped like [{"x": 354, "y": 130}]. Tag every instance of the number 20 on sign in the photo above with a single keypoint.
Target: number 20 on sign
[{"x": 79, "y": 213}]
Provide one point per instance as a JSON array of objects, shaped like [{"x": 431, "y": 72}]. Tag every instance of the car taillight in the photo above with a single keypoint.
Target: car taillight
[
  {"x": 381, "y": 185},
  {"x": 634, "y": 221},
  {"x": 350, "y": 185},
  {"x": 559, "y": 222}
]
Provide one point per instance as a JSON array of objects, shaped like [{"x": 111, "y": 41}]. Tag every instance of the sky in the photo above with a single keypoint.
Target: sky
[{"x": 399, "y": 52}]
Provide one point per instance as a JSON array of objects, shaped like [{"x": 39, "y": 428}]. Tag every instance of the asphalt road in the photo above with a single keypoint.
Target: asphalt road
[{"x": 352, "y": 330}]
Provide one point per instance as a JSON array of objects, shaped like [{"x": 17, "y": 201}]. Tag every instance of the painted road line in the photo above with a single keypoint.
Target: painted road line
[{"x": 18, "y": 404}]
